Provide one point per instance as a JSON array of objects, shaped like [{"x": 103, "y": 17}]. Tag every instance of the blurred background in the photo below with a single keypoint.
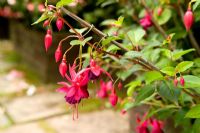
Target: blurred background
[{"x": 28, "y": 75}]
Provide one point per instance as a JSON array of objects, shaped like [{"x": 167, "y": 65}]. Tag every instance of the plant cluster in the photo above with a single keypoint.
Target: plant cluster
[{"x": 151, "y": 49}]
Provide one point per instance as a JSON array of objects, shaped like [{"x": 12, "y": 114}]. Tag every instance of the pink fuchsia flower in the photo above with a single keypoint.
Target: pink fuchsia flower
[
  {"x": 109, "y": 85},
  {"x": 102, "y": 93},
  {"x": 146, "y": 21},
  {"x": 113, "y": 98},
  {"x": 142, "y": 126},
  {"x": 156, "y": 126},
  {"x": 96, "y": 70},
  {"x": 77, "y": 90}
]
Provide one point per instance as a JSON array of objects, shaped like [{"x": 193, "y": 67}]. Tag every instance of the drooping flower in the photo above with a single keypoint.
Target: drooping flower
[
  {"x": 58, "y": 53},
  {"x": 182, "y": 81},
  {"x": 96, "y": 70},
  {"x": 46, "y": 23},
  {"x": 113, "y": 98},
  {"x": 156, "y": 126},
  {"x": 109, "y": 85},
  {"x": 102, "y": 93},
  {"x": 188, "y": 19},
  {"x": 77, "y": 90},
  {"x": 142, "y": 126},
  {"x": 48, "y": 40},
  {"x": 63, "y": 68},
  {"x": 175, "y": 82},
  {"x": 59, "y": 24},
  {"x": 146, "y": 21}
]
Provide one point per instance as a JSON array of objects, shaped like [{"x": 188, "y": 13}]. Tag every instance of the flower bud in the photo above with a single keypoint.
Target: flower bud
[
  {"x": 113, "y": 98},
  {"x": 188, "y": 19},
  {"x": 159, "y": 11},
  {"x": 182, "y": 81},
  {"x": 120, "y": 85},
  {"x": 59, "y": 24},
  {"x": 175, "y": 82},
  {"x": 58, "y": 53},
  {"x": 48, "y": 40},
  {"x": 63, "y": 68},
  {"x": 46, "y": 23}
]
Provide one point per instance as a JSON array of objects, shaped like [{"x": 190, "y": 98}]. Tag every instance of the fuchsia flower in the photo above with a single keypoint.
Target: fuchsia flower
[
  {"x": 142, "y": 127},
  {"x": 102, "y": 93},
  {"x": 77, "y": 90},
  {"x": 146, "y": 22},
  {"x": 156, "y": 126},
  {"x": 96, "y": 70},
  {"x": 113, "y": 98}
]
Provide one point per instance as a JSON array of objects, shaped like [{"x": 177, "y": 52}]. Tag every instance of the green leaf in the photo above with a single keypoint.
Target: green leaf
[
  {"x": 131, "y": 87},
  {"x": 124, "y": 74},
  {"x": 167, "y": 53},
  {"x": 168, "y": 39},
  {"x": 76, "y": 42},
  {"x": 144, "y": 93},
  {"x": 63, "y": 3},
  {"x": 136, "y": 35},
  {"x": 194, "y": 112},
  {"x": 133, "y": 54},
  {"x": 79, "y": 42},
  {"x": 197, "y": 3},
  {"x": 43, "y": 17},
  {"x": 177, "y": 55},
  {"x": 119, "y": 21},
  {"x": 169, "y": 70},
  {"x": 163, "y": 109},
  {"x": 80, "y": 31},
  {"x": 109, "y": 39},
  {"x": 190, "y": 82},
  {"x": 183, "y": 66},
  {"x": 152, "y": 76},
  {"x": 165, "y": 16},
  {"x": 108, "y": 22},
  {"x": 112, "y": 48},
  {"x": 196, "y": 127},
  {"x": 168, "y": 91},
  {"x": 86, "y": 40}
]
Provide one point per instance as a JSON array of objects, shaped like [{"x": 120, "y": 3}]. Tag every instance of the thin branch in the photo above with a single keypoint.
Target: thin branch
[
  {"x": 190, "y": 94},
  {"x": 101, "y": 34}
]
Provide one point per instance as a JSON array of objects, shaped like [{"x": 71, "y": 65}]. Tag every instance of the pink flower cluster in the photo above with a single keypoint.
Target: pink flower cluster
[
  {"x": 146, "y": 21},
  {"x": 143, "y": 126},
  {"x": 77, "y": 88},
  {"x": 105, "y": 88}
]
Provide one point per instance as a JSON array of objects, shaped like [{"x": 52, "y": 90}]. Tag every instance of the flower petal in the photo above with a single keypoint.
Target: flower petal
[
  {"x": 72, "y": 72},
  {"x": 64, "y": 84},
  {"x": 96, "y": 70},
  {"x": 63, "y": 89},
  {"x": 71, "y": 92}
]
